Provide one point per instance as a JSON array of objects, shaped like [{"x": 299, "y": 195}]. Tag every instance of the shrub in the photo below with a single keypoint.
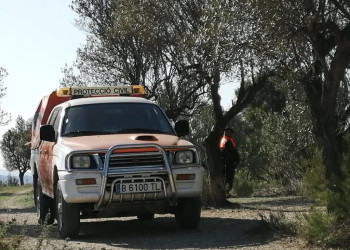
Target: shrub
[
  {"x": 243, "y": 183},
  {"x": 44, "y": 235},
  {"x": 11, "y": 241},
  {"x": 278, "y": 223},
  {"x": 8, "y": 242},
  {"x": 314, "y": 181},
  {"x": 339, "y": 202},
  {"x": 324, "y": 228},
  {"x": 317, "y": 188},
  {"x": 317, "y": 227},
  {"x": 12, "y": 181}
]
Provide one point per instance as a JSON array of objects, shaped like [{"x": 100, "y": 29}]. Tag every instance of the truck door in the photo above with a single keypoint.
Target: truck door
[{"x": 46, "y": 156}]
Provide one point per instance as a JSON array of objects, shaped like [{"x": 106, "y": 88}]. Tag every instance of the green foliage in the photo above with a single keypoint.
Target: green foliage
[
  {"x": 318, "y": 227},
  {"x": 133, "y": 42},
  {"x": 3, "y": 234},
  {"x": 45, "y": 232},
  {"x": 278, "y": 223},
  {"x": 243, "y": 183},
  {"x": 10, "y": 237},
  {"x": 11, "y": 181},
  {"x": 338, "y": 199},
  {"x": 324, "y": 229},
  {"x": 314, "y": 181},
  {"x": 277, "y": 139},
  {"x": 7, "y": 241},
  {"x": 332, "y": 227},
  {"x": 11, "y": 241},
  {"x": 317, "y": 187},
  {"x": 201, "y": 124},
  {"x": 15, "y": 149},
  {"x": 23, "y": 197},
  {"x": 4, "y": 117}
]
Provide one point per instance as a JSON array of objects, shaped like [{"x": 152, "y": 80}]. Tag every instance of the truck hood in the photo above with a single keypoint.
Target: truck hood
[{"x": 97, "y": 142}]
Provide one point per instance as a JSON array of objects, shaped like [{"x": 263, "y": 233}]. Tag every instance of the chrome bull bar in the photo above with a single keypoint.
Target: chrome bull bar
[{"x": 105, "y": 172}]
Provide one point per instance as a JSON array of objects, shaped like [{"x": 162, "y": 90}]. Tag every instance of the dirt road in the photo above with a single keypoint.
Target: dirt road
[{"x": 235, "y": 226}]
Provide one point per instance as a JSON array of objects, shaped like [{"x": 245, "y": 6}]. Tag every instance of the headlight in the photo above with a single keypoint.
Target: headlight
[
  {"x": 184, "y": 157},
  {"x": 81, "y": 161}
]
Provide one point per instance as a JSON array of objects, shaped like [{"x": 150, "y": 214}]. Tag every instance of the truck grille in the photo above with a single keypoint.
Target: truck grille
[{"x": 129, "y": 160}]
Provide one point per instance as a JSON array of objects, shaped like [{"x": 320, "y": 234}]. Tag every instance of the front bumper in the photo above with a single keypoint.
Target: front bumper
[
  {"x": 74, "y": 193},
  {"x": 103, "y": 193}
]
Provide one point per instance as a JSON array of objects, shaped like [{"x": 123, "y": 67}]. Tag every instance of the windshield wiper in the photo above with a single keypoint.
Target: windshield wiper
[{"x": 86, "y": 132}]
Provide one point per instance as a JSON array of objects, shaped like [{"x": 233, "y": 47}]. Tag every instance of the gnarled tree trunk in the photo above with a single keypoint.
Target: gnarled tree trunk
[
  {"x": 214, "y": 159},
  {"x": 216, "y": 169}
]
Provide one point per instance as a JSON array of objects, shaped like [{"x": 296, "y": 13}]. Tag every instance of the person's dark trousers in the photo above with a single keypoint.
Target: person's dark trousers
[{"x": 230, "y": 175}]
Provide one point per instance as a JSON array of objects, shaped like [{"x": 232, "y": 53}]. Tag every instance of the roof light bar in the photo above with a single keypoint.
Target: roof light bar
[{"x": 131, "y": 90}]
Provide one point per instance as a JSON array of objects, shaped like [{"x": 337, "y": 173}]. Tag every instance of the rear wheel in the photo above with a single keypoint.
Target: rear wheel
[
  {"x": 68, "y": 216},
  {"x": 188, "y": 212},
  {"x": 35, "y": 187},
  {"x": 44, "y": 206},
  {"x": 145, "y": 216}
]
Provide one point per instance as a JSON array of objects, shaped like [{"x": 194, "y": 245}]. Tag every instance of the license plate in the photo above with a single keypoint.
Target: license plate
[{"x": 138, "y": 187}]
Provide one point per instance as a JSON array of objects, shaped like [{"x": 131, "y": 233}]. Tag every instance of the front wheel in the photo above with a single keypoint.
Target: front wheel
[
  {"x": 68, "y": 216},
  {"x": 188, "y": 212},
  {"x": 44, "y": 206}
]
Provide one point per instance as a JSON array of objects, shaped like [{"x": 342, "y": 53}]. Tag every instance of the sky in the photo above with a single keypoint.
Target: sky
[{"x": 37, "y": 38}]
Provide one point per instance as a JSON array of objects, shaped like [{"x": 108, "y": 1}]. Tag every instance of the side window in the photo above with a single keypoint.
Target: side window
[
  {"x": 57, "y": 120},
  {"x": 53, "y": 117}
]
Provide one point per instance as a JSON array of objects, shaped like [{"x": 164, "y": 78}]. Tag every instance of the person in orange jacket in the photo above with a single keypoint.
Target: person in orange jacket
[{"x": 230, "y": 156}]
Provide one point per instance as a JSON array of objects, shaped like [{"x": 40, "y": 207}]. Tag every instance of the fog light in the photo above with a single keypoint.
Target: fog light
[
  {"x": 89, "y": 181},
  {"x": 185, "y": 177}
]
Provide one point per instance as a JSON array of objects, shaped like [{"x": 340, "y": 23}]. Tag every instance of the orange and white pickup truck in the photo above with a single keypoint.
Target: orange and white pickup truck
[{"x": 107, "y": 152}]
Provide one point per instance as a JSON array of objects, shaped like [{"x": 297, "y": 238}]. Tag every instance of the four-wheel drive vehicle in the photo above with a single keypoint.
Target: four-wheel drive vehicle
[{"x": 111, "y": 156}]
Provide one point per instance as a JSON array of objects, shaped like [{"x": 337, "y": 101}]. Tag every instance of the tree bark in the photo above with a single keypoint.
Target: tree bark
[
  {"x": 215, "y": 161},
  {"x": 322, "y": 94},
  {"x": 216, "y": 169}
]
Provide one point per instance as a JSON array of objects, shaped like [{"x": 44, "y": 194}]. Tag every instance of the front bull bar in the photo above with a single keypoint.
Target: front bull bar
[{"x": 110, "y": 151}]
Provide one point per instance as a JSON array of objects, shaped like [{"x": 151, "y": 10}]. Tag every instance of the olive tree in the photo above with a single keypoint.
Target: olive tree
[
  {"x": 279, "y": 141},
  {"x": 181, "y": 51},
  {"x": 217, "y": 48},
  {"x": 312, "y": 40},
  {"x": 4, "y": 117},
  {"x": 15, "y": 147},
  {"x": 126, "y": 45}
]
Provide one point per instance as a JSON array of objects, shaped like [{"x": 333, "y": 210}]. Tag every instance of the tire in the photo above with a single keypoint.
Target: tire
[
  {"x": 44, "y": 206},
  {"x": 188, "y": 212},
  {"x": 145, "y": 216},
  {"x": 68, "y": 216},
  {"x": 35, "y": 188}
]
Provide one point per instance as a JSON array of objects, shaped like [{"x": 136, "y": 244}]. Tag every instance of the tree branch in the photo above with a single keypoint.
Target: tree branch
[{"x": 341, "y": 8}]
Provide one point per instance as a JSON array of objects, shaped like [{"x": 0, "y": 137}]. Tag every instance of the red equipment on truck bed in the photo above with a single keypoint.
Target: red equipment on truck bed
[{"x": 42, "y": 113}]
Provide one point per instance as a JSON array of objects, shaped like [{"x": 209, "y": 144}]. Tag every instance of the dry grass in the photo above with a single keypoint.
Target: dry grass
[{"x": 16, "y": 197}]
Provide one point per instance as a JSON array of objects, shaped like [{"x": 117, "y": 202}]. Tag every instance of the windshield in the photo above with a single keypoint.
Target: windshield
[{"x": 115, "y": 118}]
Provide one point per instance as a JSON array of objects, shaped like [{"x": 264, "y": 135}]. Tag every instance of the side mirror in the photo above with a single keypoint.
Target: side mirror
[
  {"x": 47, "y": 133},
  {"x": 182, "y": 127}
]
